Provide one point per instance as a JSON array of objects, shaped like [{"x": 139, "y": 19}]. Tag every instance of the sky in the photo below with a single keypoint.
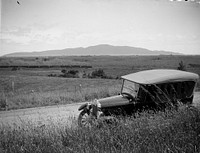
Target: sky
[{"x": 38, "y": 25}]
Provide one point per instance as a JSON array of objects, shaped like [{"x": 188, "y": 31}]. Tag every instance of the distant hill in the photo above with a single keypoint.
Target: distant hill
[{"x": 103, "y": 49}]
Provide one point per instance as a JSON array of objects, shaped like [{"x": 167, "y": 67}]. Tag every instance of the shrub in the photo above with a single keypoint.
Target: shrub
[
  {"x": 52, "y": 75},
  {"x": 117, "y": 77},
  {"x": 3, "y": 102},
  {"x": 70, "y": 73},
  {"x": 15, "y": 68},
  {"x": 73, "y": 72},
  {"x": 99, "y": 73},
  {"x": 182, "y": 66},
  {"x": 63, "y": 71},
  {"x": 84, "y": 75}
]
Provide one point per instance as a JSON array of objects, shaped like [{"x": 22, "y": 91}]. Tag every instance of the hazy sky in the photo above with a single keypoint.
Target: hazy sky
[{"x": 37, "y": 25}]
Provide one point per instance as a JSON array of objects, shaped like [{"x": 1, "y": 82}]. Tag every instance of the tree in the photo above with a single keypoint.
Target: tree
[
  {"x": 63, "y": 71},
  {"x": 70, "y": 73},
  {"x": 99, "y": 73},
  {"x": 182, "y": 66}
]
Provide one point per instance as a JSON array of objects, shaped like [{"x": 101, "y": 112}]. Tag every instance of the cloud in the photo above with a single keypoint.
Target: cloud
[
  {"x": 27, "y": 35},
  {"x": 12, "y": 38},
  {"x": 17, "y": 31}
]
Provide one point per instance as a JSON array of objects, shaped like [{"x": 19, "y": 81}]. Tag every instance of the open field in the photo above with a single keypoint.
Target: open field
[
  {"x": 32, "y": 87},
  {"x": 113, "y": 65},
  {"x": 54, "y": 128}
]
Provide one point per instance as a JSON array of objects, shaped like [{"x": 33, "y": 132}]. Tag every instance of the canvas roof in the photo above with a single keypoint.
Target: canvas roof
[{"x": 157, "y": 76}]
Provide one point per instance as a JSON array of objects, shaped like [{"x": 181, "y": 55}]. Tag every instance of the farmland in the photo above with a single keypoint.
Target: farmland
[
  {"x": 36, "y": 81},
  {"x": 112, "y": 65}
]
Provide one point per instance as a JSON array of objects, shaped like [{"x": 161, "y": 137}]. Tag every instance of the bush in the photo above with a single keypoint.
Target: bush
[
  {"x": 52, "y": 75},
  {"x": 84, "y": 75},
  {"x": 15, "y": 68},
  {"x": 3, "y": 102},
  {"x": 70, "y": 73},
  {"x": 99, "y": 73},
  {"x": 64, "y": 71},
  {"x": 182, "y": 66}
]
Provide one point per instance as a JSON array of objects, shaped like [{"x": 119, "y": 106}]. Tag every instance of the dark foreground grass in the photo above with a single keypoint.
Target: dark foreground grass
[{"x": 172, "y": 131}]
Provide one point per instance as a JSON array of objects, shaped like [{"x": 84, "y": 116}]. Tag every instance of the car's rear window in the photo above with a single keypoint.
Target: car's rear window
[{"x": 183, "y": 89}]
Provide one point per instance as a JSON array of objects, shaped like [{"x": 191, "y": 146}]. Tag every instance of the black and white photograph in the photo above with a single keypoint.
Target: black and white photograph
[{"x": 99, "y": 76}]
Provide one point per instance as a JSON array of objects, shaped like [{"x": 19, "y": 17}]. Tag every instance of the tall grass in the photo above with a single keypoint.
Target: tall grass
[
  {"x": 170, "y": 131},
  {"x": 17, "y": 101},
  {"x": 44, "y": 91}
]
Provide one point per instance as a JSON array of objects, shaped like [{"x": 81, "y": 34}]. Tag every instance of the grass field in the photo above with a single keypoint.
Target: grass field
[
  {"x": 164, "y": 132},
  {"x": 32, "y": 87},
  {"x": 113, "y": 65},
  {"x": 34, "y": 91}
]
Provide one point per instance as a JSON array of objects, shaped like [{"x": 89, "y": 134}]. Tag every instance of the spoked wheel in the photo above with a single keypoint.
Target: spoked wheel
[{"x": 85, "y": 119}]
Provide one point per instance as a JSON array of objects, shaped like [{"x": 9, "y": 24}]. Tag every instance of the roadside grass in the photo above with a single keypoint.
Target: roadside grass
[
  {"x": 56, "y": 97},
  {"x": 33, "y": 91},
  {"x": 163, "y": 132}
]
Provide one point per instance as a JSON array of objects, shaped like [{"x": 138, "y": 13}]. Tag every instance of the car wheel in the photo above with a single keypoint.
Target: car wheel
[{"x": 85, "y": 119}]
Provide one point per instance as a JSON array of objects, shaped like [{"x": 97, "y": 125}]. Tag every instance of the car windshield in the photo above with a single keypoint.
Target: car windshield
[{"x": 130, "y": 88}]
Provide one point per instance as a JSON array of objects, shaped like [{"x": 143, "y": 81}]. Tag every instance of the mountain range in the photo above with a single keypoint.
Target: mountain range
[{"x": 102, "y": 49}]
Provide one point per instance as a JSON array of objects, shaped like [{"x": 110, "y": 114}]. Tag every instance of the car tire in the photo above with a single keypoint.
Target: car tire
[{"x": 85, "y": 119}]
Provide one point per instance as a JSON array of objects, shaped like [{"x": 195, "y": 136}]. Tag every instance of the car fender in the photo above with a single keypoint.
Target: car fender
[{"x": 84, "y": 106}]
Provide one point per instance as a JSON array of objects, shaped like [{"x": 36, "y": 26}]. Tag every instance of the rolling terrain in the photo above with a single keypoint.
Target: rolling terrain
[
  {"x": 103, "y": 49},
  {"x": 44, "y": 84},
  {"x": 39, "y": 106}
]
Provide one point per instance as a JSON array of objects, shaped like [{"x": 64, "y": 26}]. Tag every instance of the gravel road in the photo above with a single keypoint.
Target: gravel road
[
  {"x": 45, "y": 115},
  {"x": 40, "y": 115}
]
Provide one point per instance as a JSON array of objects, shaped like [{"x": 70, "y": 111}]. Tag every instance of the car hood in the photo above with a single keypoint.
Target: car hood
[{"x": 113, "y": 101}]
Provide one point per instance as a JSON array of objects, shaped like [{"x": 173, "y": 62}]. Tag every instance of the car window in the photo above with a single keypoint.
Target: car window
[
  {"x": 180, "y": 89},
  {"x": 160, "y": 94},
  {"x": 142, "y": 93},
  {"x": 130, "y": 87},
  {"x": 187, "y": 89}
]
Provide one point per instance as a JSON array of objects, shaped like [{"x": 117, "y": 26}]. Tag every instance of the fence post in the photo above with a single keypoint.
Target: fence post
[
  {"x": 6, "y": 104},
  {"x": 13, "y": 86}
]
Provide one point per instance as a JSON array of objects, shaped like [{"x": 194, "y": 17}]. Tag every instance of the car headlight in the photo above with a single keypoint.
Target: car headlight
[{"x": 97, "y": 103}]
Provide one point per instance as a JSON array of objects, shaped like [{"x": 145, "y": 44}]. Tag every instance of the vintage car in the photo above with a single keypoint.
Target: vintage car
[{"x": 150, "y": 89}]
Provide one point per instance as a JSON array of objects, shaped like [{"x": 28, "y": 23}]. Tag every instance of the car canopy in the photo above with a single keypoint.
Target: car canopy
[{"x": 157, "y": 76}]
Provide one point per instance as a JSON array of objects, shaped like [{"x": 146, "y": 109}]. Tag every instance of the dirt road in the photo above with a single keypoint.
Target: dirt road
[
  {"x": 46, "y": 115},
  {"x": 40, "y": 115}
]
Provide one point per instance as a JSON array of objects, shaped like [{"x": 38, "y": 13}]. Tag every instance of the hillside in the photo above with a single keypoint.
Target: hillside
[{"x": 93, "y": 50}]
